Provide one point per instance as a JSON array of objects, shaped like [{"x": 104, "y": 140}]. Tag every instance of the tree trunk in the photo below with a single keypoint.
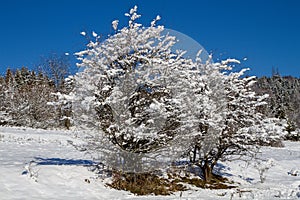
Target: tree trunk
[
  {"x": 207, "y": 172},
  {"x": 194, "y": 154}
]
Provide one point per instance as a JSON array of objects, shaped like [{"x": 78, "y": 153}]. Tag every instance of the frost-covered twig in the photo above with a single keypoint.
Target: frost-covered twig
[{"x": 263, "y": 167}]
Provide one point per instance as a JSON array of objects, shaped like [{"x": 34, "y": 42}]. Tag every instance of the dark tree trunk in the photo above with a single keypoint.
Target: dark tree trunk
[{"x": 207, "y": 172}]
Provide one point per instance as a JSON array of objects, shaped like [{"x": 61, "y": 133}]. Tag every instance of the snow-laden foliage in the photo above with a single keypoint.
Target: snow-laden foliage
[
  {"x": 129, "y": 94},
  {"x": 140, "y": 103},
  {"x": 64, "y": 102},
  {"x": 226, "y": 116}
]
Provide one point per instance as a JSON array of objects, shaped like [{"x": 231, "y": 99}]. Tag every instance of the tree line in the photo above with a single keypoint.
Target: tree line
[
  {"x": 28, "y": 96},
  {"x": 284, "y": 98}
]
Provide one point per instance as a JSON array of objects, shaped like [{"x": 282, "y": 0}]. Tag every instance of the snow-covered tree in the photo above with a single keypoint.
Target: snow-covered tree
[
  {"x": 128, "y": 95},
  {"x": 25, "y": 96},
  {"x": 63, "y": 103},
  {"x": 226, "y": 115},
  {"x": 137, "y": 100},
  {"x": 56, "y": 67},
  {"x": 3, "y": 114}
]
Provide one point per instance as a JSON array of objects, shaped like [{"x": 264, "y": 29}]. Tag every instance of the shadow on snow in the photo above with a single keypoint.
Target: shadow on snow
[
  {"x": 219, "y": 169},
  {"x": 60, "y": 161}
]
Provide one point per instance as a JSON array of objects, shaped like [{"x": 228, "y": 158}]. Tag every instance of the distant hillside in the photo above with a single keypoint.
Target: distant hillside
[{"x": 284, "y": 101}]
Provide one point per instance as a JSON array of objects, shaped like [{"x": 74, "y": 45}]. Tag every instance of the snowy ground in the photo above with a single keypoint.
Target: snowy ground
[{"x": 59, "y": 171}]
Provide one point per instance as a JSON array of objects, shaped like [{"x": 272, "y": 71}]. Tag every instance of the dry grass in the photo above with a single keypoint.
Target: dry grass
[
  {"x": 217, "y": 182},
  {"x": 147, "y": 183},
  {"x": 144, "y": 183}
]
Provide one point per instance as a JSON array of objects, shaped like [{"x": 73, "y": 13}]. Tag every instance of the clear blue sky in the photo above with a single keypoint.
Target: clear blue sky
[{"x": 267, "y": 32}]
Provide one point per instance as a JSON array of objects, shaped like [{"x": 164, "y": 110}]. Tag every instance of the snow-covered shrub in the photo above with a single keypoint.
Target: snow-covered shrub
[
  {"x": 272, "y": 132},
  {"x": 30, "y": 171},
  {"x": 263, "y": 166}
]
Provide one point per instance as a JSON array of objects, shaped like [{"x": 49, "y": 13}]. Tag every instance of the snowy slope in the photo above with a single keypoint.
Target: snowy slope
[{"x": 39, "y": 164}]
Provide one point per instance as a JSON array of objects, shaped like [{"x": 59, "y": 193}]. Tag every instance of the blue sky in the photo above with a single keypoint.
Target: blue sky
[{"x": 266, "y": 32}]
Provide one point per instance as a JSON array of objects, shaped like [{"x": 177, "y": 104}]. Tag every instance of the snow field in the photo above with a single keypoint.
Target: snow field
[{"x": 39, "y": 164}]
